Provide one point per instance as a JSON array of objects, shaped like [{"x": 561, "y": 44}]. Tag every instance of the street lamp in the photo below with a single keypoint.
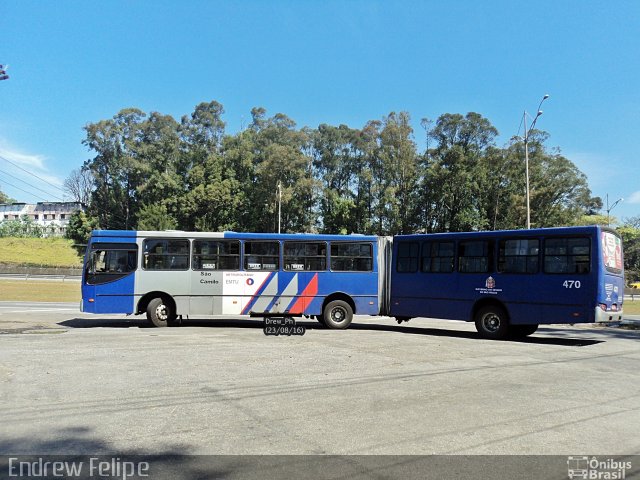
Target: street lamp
[
  {"x": 609, "y": 208},
  {"x": 279, "y": 204},
  {"x": 527, "y": 133}
]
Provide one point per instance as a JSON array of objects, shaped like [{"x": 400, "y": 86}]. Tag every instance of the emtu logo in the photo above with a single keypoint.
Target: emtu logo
[{"x": 250, "y": 281}]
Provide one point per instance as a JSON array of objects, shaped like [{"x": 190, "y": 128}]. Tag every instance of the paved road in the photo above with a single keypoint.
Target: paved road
[{"x": 73, "y": 383}]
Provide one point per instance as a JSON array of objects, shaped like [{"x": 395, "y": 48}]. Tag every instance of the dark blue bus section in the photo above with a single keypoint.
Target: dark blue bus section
[{"x": 509, "y": 282}]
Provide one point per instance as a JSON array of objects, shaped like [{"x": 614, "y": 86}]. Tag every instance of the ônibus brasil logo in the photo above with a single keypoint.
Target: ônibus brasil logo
[{"x": 586, "y": 468}]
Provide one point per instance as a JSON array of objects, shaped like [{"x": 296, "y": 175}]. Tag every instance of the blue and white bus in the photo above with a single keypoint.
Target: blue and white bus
[
  {"x": 170, "y": 275},
  {"x": 509, "y": 282}
]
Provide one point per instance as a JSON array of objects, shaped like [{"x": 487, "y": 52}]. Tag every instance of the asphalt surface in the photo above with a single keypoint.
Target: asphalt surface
[{"x": 75, "y": 383}]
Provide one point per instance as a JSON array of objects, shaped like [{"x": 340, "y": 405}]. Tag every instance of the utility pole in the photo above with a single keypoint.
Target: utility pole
[{"x": 279, "y": 204}]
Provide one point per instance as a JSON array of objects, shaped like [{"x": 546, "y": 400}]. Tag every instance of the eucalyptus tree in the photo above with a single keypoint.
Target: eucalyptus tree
[
  {"x": 336, "y": 162},
  {"x": 281, "y": 165},
  {"x": 115, "y": 168},
  {"x": 455, "y": 173}
]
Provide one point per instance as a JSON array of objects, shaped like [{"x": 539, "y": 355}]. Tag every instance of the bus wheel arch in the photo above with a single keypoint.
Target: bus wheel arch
[
  {"x": 491, "y": 318},
  {"x": 160, "y": 308},
  {"x": 337, "y": 311}
]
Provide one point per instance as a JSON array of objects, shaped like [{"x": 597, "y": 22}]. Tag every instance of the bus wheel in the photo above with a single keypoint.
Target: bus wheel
[
  {"x": 159, "y": 313},
  {"x": 492, "y": 322},
  {"x": 337, "y": 314},
  {"x": 521, "y": 331}
]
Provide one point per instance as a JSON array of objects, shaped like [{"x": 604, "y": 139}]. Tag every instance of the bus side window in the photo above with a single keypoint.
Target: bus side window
[
  {"x": 475, "y": 256},
  {"x": 437, "y": 257},
  {"x": 518, "y": 255},
  {"x": 351, "y": 256},
  {"x": 407, "y": 257},
  {"x": 567, "y": 255},
  {"x": 262, "y": 255}
]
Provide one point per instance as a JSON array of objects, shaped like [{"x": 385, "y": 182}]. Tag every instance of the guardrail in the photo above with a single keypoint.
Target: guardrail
[{"x": 40, "y": 277}]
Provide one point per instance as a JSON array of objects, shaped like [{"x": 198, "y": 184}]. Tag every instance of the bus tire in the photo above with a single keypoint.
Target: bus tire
[
  {"x": 521, "y": 331},
  {"x": 337, "y": 314},
  {"x": 492, "y": 322},
  {"x": 160, "y": 313}
]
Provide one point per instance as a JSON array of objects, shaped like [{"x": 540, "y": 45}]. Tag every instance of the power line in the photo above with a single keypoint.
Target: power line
[
  {"x": 29, "y": 193},
  {"x": 31, "y": 173},
  {"x": 32, "y": 186}
]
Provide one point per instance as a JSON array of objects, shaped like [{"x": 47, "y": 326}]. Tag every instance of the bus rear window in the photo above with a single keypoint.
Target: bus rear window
[{"x": 567, "y": 255}]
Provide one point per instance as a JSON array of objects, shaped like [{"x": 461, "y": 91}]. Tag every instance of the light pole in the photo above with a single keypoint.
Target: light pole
[
  {"x": 279, "y": 204},
  {"x": 609, "y": 208},
  {"x": 526, "y": 152}
]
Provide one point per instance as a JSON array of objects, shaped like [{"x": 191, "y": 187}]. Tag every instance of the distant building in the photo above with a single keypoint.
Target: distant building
[{"x": 52, "y": 215}]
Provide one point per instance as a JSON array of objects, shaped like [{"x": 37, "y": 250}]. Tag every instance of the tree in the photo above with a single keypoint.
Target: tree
[
  {"x": 4, "y": 198},
  {"x": 630, "y": 233},
  {"x": 456, "y": 173},
  {"x": 280, "y": 158},
  {"x": 115, "y": 168},
  {"x": 80, "y": 226},
  {"x": 559, "y": 192},
  {"x": 398, "y": 176},
  {"x": 335, "y": 164},
  {"x": 155, "y": 217},
  {"x": 79, "y": 185}
]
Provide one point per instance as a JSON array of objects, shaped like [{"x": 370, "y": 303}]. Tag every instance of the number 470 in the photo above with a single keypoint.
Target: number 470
[{"x": 572, "y": 284}]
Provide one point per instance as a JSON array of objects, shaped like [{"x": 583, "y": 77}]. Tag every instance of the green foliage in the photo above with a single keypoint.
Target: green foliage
[
  {"x": 150, "y": 171},
  {"x": 155, "y": 217},
  {"x": 80, "y": 227},
  {"x": 4, "y": 198},
  {"x": 630, "y": 233},
  {"x": 25, "y": 227}
]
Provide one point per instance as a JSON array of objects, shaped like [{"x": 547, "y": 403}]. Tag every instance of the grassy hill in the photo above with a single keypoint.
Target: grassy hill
[{"x": 39, "y": 252}]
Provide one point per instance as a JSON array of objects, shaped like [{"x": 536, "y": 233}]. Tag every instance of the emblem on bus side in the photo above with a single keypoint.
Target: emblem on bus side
[{"x": 489, "y": 287}]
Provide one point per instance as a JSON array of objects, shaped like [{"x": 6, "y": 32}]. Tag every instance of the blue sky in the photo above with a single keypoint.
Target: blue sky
[{"x": 75, "y": 62}]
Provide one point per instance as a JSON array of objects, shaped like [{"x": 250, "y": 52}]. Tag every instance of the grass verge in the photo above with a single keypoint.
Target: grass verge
[
  {"x": 40, "y": 252},
  {"x": 21, "y": 290},
  {"x": 632, "y": 307}
]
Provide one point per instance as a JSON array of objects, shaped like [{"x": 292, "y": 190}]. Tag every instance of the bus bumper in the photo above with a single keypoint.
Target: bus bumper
[{"x": 608, "y": 316}]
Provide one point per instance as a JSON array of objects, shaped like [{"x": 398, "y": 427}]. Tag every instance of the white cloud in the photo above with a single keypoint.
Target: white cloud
[
  {"x": 634, "y": 197},
  {"x": 22, "y": 159},
  {"x": 26, "y": 176}
]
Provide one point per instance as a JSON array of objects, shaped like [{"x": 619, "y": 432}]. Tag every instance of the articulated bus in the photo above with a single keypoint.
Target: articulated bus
[
  {"x": 170, "y": 275},
  {"x": 509, "y": 282}
]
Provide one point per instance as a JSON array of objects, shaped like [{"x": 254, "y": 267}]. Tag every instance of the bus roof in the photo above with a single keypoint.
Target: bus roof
[
  {"x": 235, "y": 235},
  {"x": 513, "y": 233}
]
